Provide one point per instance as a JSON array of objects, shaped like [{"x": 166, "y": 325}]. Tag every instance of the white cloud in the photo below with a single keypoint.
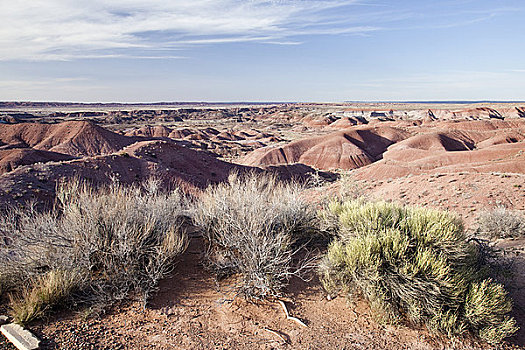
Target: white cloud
[{"x": 68, "y": 29}]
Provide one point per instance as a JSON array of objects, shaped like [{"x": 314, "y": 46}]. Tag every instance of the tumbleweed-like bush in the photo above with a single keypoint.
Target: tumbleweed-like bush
[
  {"x": 501, "y": 222},
  {"x": 254, "y": 225},
  {"x": 121, "y": 239},
  {"x": 414, "y": 264}
]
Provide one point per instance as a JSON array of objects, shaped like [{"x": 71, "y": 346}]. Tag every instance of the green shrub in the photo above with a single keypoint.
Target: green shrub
[
  {"x": 124, "y": 237},
  {"x": 252, "y": 225},
  {"x": 414, "y": 264},
  {"x": 501, "y": 222},
  {"x": 486, "y": 309}
]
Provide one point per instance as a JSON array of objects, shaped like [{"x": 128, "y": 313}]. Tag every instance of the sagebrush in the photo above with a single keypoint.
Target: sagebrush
[
  {"x": 122, "y": 239},
  {"x": 414, "y": 264},
  {"x": 501, "y": 222},
  {"x": 254, "y": 226}
]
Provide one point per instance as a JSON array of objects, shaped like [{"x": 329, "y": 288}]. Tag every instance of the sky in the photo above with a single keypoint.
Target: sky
[{"x": 262, "y": 50}]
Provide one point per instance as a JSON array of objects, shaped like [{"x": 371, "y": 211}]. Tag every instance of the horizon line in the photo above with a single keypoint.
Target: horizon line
[{"x": 257, "y": 102}]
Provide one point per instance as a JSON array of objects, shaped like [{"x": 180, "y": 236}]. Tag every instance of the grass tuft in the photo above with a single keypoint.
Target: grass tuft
[{"x": 47, "y": 292}]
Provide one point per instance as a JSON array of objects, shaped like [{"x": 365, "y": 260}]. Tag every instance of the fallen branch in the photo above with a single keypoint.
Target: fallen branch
[
  {"x": 295, "y": 319},
  {"x": 275, "y": 333}
]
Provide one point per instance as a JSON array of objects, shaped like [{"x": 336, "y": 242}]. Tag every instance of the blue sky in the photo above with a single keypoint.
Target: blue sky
[{"x": 261, "y": 50}]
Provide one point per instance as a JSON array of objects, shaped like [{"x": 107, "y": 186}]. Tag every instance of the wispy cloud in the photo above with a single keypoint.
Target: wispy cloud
[
  {"x": 448, "y": 14},
  {"x": 465, "y": 18},
  {"x": 70, "y": 29}
]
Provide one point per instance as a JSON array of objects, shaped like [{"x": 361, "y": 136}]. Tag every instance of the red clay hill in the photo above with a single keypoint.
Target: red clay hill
[
  {"x": 349, "y": 149},
  {"x": 76, "y": 138},
  {"x": 374, "y": 143},
  {"x": 393, "y": 149}
]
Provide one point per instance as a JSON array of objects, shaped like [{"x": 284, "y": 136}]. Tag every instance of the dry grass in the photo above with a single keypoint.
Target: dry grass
[
  {"x": 123, "y": 239},
  {"x": 254, "y": 226},
  {"x": 47, "y": 292},
  {"x": 415, "y": 264}
]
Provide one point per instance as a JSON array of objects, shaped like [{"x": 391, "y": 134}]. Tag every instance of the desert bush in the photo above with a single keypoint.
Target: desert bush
[
  {"x": 254, "y": 226},
  {"x": 414, "y": 264},
  {"x": 124, "y": 238},
  {"x": 501, "y": 222},
  {"x": 349, "y": 187},
  {"x": 22, "y": 229}
]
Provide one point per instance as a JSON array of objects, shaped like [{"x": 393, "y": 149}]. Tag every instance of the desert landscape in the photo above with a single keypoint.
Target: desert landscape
[
  {"x": 262, "y": 174},
  {"x": 463, "y": 158}
]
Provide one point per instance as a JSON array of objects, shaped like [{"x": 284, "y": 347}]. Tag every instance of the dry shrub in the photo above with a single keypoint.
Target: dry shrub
[
  {"x": 254, "y": 226},
  {"x": 501, "y": 222},
  {"x": 124, "y": 239},
  {"x": 3, "y": 284},
  {"x": 349, "y": 187},
  {"x": 415, "y": 264}
]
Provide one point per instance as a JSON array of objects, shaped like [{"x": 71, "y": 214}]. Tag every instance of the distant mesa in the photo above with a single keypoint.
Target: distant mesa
[
  {"x": 347, "y": 122},
  {"x": 150, "y": 131}
]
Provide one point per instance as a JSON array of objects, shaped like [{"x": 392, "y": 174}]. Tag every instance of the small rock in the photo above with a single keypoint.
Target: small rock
[
  {"x": 20, "y": 337},
  {"x": 3, "y": 319}
]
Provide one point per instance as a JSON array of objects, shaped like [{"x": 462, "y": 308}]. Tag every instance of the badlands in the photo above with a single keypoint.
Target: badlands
[{"x": 460, "y": 157}]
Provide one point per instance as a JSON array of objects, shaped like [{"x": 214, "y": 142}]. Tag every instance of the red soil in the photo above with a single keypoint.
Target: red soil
[
  {"x": 11, "y": 159},
  {"x": 193, "y": 311},
  {"x": 76, "y": 138},
  {"x": 348, "y": 149}
]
